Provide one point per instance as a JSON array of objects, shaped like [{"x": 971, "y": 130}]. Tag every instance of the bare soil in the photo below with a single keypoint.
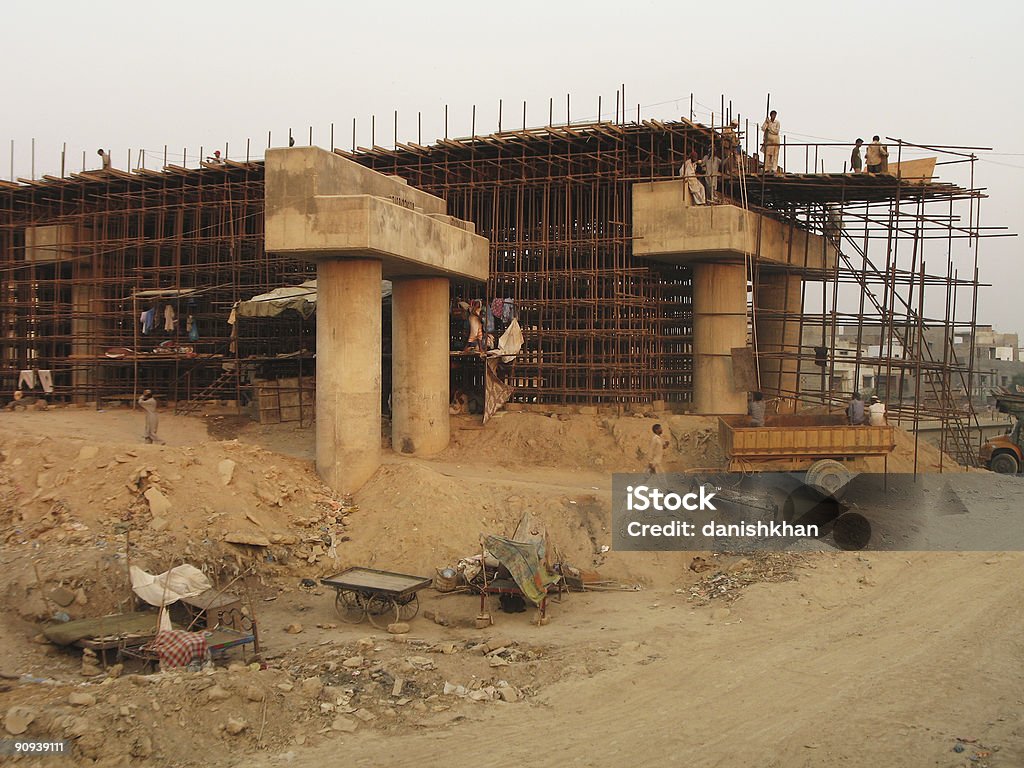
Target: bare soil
[{"x": 818, "y": 659}]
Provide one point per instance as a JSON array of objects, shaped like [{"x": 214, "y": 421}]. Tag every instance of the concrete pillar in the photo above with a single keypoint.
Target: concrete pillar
[
  {"x": 778, "y": 303},
  {"x": 419, "y": 365},
  {"x": 719, "y": 325},
  {"x": 348, "y": 356}
]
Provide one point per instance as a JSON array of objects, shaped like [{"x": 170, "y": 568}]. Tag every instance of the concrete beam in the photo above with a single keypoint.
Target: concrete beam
[
  {"x": 667, "y": 228},
  {"x": 320, "y": 205}
]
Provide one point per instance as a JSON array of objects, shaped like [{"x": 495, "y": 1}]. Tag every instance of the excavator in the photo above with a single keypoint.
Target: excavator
[{"x": 1004, "y": 453}]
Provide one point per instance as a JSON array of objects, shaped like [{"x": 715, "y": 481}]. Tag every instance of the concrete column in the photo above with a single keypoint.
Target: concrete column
[
  {"x": 419, "y": 365},
  {"x": 719, "y": 325},
  {"x": 348, "y": 371},
  {"x": 778, "y": 303}
]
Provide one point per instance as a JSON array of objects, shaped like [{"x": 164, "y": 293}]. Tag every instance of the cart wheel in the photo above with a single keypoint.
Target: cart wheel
[
  {"x": 350, "y": 606},
  {"x": 382, "y": 611},
  {"x": 408, "y": 607}
]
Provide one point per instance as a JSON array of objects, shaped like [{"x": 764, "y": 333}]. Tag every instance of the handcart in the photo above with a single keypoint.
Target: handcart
[{"x": 382, "y": 597}]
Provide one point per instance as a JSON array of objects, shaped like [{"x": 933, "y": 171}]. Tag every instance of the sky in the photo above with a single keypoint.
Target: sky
[{"x": 198, "y": 76}]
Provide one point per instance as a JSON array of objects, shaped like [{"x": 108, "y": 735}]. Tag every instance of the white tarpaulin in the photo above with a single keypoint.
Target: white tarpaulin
[
  {"x": 170, "y": 586},
  {"x": 509, "y": 344},
  {"x": 301, "y": 298}
]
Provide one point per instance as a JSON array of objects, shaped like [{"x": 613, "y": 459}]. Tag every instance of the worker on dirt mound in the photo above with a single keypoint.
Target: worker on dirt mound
[
  {"x": 656, "y": 452},
  {"x": 148, "y": 404}
]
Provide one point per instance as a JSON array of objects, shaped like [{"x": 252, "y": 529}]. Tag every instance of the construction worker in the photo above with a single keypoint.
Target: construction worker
[
  {"x": 876, "y": 412},
  {"x": 855, "y": 162},
  {"x": 771, "y": 130},
  {"x": 105, "y": 157},
  {"x": 656, "y": 452},
  {"x": 877, "y": 156},
  {"x": 855, "y": 410},
  {"x": 756, "y": 409},
  {"x": 148, "y": 404}
]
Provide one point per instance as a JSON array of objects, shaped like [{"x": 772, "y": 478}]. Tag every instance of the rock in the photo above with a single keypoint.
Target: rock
[
  {"x": 81, "y": 699},
  {"x": 159, "y": 524},
  {"x": 344, "y": 724},
  {"x": 252, "y": 693},
  {"x": 159, "y": 505},
  {"x": 312, "y": 686},
  {"x": 365, "y": 715},
  {"x": 80, "y": 597},
  {"x": 720, "y": 613},
  {"x": 226, "y": 468},
  {"x": 509, "y": 694},
  {"x": 115, "y": 670},
  {"x": 235, "y": 726},
  {"x": 142, "y": 746},
  {"x": 62, "y": 596},
  {"x": 353, "y": 662},
  {"x": 287, "y": 539},
  {"x": 396, "y": 688},
  {"x": 293, "y": 629},
  {"x": 398, "y": 628},
  {"x": 497, "y": 661},
  {"x": 18, "y": 719},
  {"x": 249, "y": 538},
  {"x": 217, "y": 694},
  {"x": 286, "y": 687},
  {"x": 87, "y": 452}
]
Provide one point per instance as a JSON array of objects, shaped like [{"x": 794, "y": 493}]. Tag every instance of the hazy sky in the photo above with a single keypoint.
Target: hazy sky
[{"x": 128, "y": 75}]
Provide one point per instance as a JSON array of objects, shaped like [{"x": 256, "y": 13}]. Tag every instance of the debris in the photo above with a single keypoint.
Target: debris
[
  {"x": 18, "y": 719},
  {"x": 234, "y": 726},
  {"x": 216, "y": 693},
  {"x": 398, "y": 628},
  {"x": 226, "y": 468},
  {"x": 293, "y": 629},
  {"x": 344, "y": 724},
  {"x": 353, "y": 662},
  {"x": 81, "y": 699},
  {"x": 159, "y": 505},
  {"x": 248, "y": 538}
]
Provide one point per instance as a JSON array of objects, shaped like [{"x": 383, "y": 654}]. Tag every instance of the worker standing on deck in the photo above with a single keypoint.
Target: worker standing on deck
[
  {"x": 656, "y": 451},
  {"x": 689, "y": 174},
  {"x": 771, "y": 130},
  {"x": 712, "y": 171},
  {"x": 855, "y": 410},
  {"x": 756, "y": 409},
  {"x": 877, "y": 156},
  {"x": 876, "y": 412},
  {"x": 855, "y": 162},
  {"x": 148, "y": 404}
]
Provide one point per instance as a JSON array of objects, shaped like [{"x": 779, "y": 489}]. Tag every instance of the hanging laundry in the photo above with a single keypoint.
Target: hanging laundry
[
  {"x": 46, "y": 379},
  {"x": 497, "y": 306},
  {"x": 170, "y": 319},
  {"x": 148, "y": 320},
  {"x": 193, "y": 328},
  {"x": 28, "y": 378},
  {"x": 489, "y": 321},
  {"x": 508, "y": 310}
]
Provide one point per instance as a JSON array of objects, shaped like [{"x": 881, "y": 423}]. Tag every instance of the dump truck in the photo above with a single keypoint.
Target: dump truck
[
  {"x": 1003, "y": 454},
  {"x": 822, "y": 446}
]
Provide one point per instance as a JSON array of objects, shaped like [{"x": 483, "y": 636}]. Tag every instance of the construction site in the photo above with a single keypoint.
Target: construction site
[{"x": 294, "y": 483}]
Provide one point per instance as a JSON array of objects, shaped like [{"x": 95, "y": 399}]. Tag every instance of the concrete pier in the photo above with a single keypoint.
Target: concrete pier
[
  {"x": 778, "y": 303},
  {"x": 360, "y": 226},
  {"x": 719, "y": 326},
  {"x": 348, "y": 394},
  {"x": 419, "y": 370}
]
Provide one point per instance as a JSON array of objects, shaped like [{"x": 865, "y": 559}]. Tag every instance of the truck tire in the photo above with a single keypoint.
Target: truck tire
[
  {"x": 1004, "y": 463},
  {"x": 829, "y": 477}
]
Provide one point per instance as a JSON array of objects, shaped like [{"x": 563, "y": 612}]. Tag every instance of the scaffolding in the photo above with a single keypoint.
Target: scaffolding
[{"x": 82, "y": 257}]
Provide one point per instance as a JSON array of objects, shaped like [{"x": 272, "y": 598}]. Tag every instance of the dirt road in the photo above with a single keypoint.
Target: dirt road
[{"x": 877, "y": 660}]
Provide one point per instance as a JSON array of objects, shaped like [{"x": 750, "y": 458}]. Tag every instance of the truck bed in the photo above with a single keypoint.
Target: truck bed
[{"x": 799, "y": 440}]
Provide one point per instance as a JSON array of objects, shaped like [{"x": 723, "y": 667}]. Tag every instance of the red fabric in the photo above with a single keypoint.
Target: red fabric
[{"x": 178, "y": 648}]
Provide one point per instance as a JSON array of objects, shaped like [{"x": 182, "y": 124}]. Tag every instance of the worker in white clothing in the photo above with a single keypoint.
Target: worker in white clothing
[
  {"x": 876, "y": 412},
  {"x": 771, "y": 130},
  {"x": 689, "y": 174}
]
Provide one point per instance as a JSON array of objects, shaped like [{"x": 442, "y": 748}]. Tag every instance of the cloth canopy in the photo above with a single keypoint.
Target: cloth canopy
[
  {"x": 525, "y": 556},
  {"x": 301, "y": 298},
  {"x": 170, "y": 586}
]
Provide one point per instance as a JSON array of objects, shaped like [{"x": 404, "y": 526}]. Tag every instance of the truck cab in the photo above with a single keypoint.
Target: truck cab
[{"x": 1003, "y": 454}]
